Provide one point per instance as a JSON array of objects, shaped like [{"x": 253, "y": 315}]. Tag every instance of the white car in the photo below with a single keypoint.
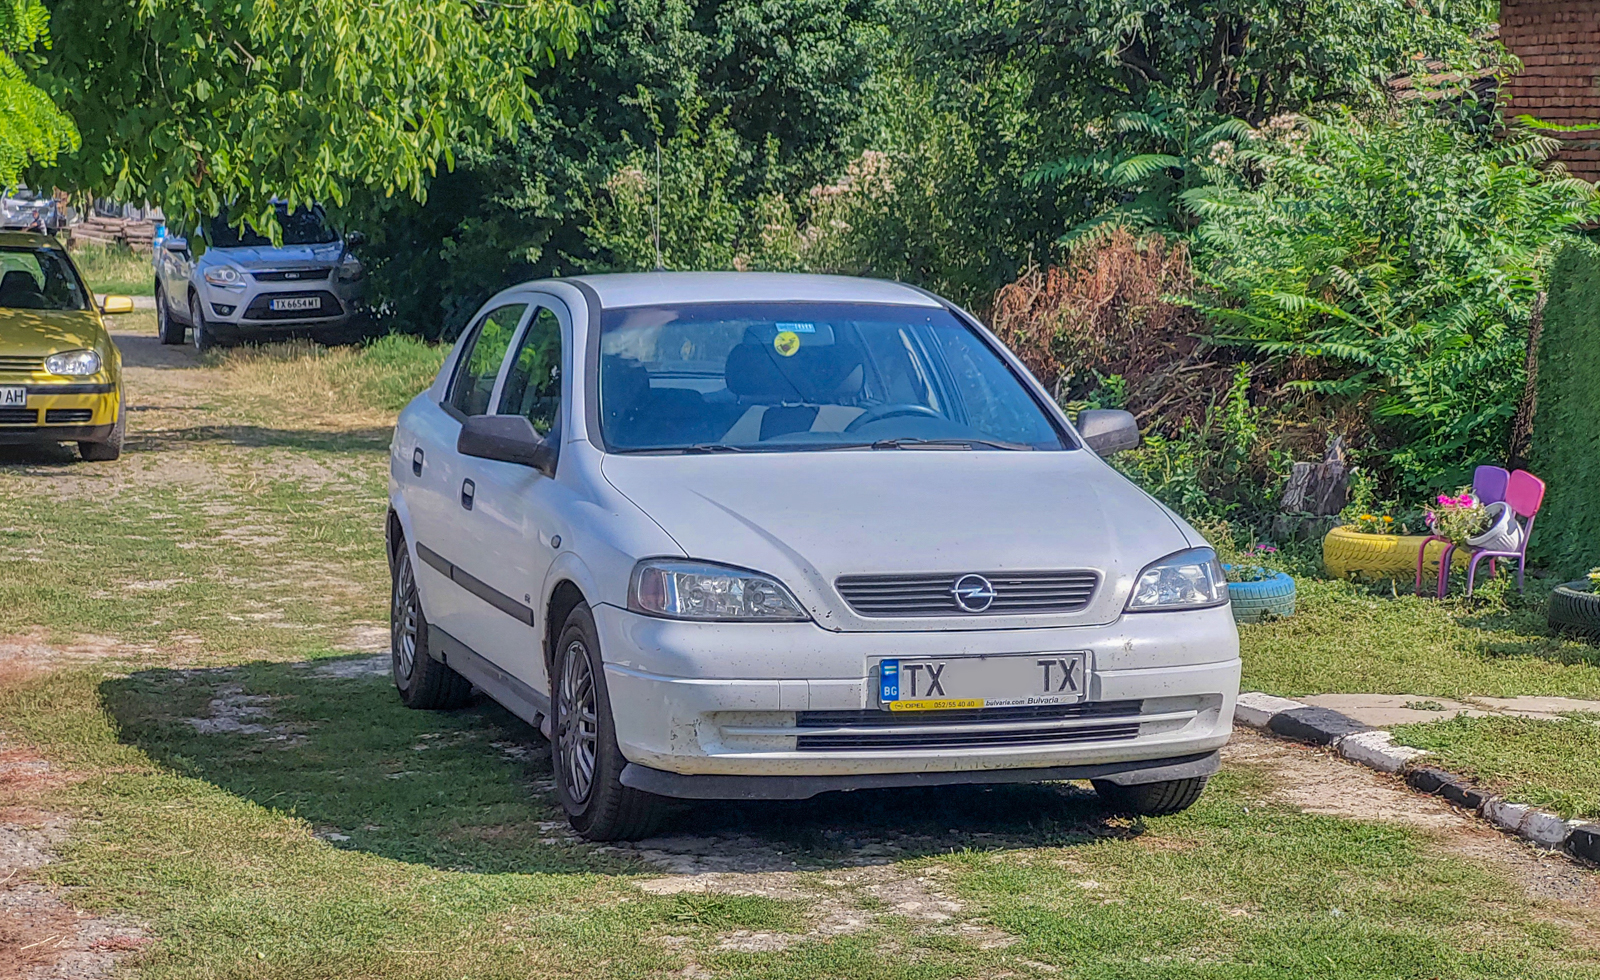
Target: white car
[
  {"x": 241, "y": 287},
  {"x": 752, "y": 536}
]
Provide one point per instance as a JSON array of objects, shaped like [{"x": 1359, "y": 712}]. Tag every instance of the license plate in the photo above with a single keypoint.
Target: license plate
[
  {"x": 298, "y": 303},
  {"x": 956, "y": 683},
  {"x": 13, "y": 396}
]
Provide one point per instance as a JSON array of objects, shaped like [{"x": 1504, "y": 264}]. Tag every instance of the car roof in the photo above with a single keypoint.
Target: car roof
[
  {"x": 666, "y": 288},
  {"x": 28, "y": 239}
]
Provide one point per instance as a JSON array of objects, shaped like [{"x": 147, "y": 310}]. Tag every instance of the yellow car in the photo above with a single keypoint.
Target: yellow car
[{"x": 60, "y": 374}]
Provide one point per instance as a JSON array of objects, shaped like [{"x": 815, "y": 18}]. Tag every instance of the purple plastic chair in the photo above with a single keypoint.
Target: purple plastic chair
[
  {"x": 1525, "y": 494},
  {"x": 1489, "y": 486}
]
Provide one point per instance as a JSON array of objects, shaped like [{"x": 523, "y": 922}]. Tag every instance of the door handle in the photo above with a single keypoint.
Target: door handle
[
  {"x": 467, "y": 490},
  {"x": 416, "y": 462}
]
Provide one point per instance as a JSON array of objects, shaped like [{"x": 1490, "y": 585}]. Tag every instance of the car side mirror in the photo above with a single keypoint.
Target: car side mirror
[
  {"x": 116, "y": 304},
  {"x": 509, "y": 439},
  {"x": 355, "y": 239},
  {"x": 1108, "y": 430},
  {"x": 175, "y": 244}
]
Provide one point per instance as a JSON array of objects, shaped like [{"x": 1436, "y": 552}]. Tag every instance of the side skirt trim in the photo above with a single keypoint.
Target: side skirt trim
[
  {"x": 512, "y": 694},
  {"x": 476, "y": 586}
]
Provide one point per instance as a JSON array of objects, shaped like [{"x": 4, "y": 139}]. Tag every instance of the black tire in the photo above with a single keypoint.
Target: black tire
[
  {"x": 1574, "y": 609},
  {"x": 583, "y": 738},
  {"x": 111, "y": 448},
  {"x": 423, "y": 682},
  {"x": 204, "y": 338},
  {"x": 1151, "y": 799},
  {"x": 168, "y": 329}
]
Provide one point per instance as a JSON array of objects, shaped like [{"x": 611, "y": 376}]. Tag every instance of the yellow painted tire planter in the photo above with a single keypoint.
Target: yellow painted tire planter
[{"x": 1347, "y": 552}]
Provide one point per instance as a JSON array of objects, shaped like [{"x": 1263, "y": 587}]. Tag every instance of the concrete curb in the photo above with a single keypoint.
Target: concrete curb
[{"x": 1375, "y": 749}]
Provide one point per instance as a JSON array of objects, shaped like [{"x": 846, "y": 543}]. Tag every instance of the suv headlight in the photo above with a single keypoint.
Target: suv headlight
[
  {"x": 681, "y": 589},
  {"x": 73, "y": 363},
  {"x": 1189, "y": 579},
  {"x": 223, "y": 275},
  {"x": 350, "y": 270}
]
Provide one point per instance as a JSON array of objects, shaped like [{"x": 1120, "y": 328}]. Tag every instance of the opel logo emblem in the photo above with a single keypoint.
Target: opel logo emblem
[{"x": 973, "y": 593}]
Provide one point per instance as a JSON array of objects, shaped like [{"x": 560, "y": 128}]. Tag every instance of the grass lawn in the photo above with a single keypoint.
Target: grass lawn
[
  {"x": 244, "y": 781},
  {"x": 1553, "y": 764},
  {"x": 115, "y": 269}
]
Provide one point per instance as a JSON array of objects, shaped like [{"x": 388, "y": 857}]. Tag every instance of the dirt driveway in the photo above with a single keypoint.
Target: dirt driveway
[{"x": 204, "y": 772}]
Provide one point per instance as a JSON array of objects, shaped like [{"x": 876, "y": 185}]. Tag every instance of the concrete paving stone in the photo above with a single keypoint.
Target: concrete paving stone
[
  {"x": 1256, "y": 709},
  {"x": 1319, "y": 726},
  {"x": 1427, "y": 780},
  {"x": 1528, "y": 706},
  {"x": 1523, "y": 820},
  {"x": 1377, "y": 750},
  {"x": 1584, "y": 841},
  {"x": 1463, "y": 795},
  {"x": 1386, "y": 710}
]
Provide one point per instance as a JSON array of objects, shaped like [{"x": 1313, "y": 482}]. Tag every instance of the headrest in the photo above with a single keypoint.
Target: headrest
[
  {"x": 18, "y": 280},
  {"x": 818, "y": 375},
  {"x": 625, "y": 381}
]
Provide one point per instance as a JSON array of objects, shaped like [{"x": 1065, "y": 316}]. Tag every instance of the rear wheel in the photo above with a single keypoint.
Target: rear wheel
[
  {"x": 1151, "y": 799},
  {"x": 167, "y": 327},
  {"x": 422, "y": 681},
  {"x": 588, "y": 764}
]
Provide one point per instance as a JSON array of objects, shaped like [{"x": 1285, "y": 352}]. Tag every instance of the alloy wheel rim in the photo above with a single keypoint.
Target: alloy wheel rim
[
  {"x": 403, "y": 621},
  {"x": 197, "y": 321},
  {"x": 577, "y": 722}
]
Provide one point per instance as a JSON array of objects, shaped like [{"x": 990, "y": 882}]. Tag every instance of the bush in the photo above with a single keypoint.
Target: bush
[
  {"x": 1566, "y": 421},
  {"x": 1385, "y": 270}
]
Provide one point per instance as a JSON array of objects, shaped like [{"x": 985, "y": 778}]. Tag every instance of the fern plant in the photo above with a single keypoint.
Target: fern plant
[{"x": 1388, "y": 267}]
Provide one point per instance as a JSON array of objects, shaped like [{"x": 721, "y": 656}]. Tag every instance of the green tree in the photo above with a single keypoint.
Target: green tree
[
  {"x": 207, "y": 105},
  {"x": 32, "y": 129}
]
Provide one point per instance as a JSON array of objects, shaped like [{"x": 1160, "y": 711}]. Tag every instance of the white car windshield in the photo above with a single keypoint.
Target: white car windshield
[{"x": 710, "y": 377}]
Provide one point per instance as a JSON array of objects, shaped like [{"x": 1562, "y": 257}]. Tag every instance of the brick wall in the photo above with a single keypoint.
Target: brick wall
[{"x": 1559, "y": 44}]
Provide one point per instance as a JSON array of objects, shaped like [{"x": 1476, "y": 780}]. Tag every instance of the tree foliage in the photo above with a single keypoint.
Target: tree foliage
[
  {"x": 32, "y": 129},
  {"x": 203, "y": 105},
  {"x": 1391, "y": 265}
]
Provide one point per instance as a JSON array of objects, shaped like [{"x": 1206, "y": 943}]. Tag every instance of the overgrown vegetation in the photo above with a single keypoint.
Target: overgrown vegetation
[
  {"x": 115, "y": 269},
  {"x": 1548, "y": 763},
  {"x": 1566, "y": 422}
]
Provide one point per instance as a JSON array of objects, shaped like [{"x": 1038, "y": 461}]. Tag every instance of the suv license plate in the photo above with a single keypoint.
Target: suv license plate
[
  {"x": 956, "y": 683},
  {"x": 13, "y": 396},
  {"x": 298, "y": 303}
]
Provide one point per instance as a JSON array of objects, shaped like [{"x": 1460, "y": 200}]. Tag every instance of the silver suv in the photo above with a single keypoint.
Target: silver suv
[{"x": 242, "y": 287}]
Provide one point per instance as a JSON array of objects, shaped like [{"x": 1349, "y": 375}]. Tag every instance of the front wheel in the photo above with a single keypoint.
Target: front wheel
[
  {"x": 1151, "y": 799},
  {"x": 111, "y": 448},
  {"x": 422, "y": 681},
  {"x": 204, "y": 338},
  {"x": 583, "y": 745},
  {"x": 168, "y": 328}
]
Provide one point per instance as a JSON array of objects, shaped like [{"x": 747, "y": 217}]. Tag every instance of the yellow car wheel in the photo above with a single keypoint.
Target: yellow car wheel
[
  {"x": 111, "y": 448},
  {"x": 1347, "y": 552}
]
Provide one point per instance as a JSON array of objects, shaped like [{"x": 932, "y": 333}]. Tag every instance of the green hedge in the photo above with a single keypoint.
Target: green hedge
[{"x": 1566, "y": 423}]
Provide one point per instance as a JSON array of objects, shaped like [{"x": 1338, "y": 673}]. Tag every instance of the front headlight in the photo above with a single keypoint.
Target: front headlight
[
  {"x": 1189, "y": 579},
  {"x": 351, "y": 271},
  {"x": 680, "y": 589},
  {"x": 223, "y": 275},
  {"x": 73, "y": 363}
]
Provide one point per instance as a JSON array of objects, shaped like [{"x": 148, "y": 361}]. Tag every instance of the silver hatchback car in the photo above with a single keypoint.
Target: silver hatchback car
[
  {"x": 242, "y": 287},
  {"x": 760, "y": 536}
]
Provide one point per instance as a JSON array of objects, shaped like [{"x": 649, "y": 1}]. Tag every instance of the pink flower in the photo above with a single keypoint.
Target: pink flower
[{"x": 1444, "y": 501}]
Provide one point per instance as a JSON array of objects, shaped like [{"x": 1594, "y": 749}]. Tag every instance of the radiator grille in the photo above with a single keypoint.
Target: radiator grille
[
  {"x": 12, "y": 363},
  {"x": 68, "y": 416},
  {"x": 933, "y": 593},
  {"x": 291, "y": 275},
  {"x": 1036, "y": 725},
  {"x": 19, "y": 416}
]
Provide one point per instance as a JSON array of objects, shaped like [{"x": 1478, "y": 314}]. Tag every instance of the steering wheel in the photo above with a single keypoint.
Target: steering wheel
[{"x": 889, "y": 411}]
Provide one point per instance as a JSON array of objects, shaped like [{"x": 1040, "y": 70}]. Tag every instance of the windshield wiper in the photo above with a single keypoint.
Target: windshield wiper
[
  {"x": 911, "y": 442},
  {"x": 712, "y": 447}
]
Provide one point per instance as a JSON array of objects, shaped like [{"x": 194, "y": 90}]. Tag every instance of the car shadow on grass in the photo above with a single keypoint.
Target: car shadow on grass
[
  {"x": 364, "y": 440},
  {"x": 327, "y": 741}
]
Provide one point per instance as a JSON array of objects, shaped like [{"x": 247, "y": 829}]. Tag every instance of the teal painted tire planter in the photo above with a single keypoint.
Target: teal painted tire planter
[
  {"x": 1575, "y": 610},
  {"x": 1253, "y": 602}
]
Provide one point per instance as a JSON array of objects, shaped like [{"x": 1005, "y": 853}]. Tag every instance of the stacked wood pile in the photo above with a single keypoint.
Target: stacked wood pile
[{"x": 137, "y": 235}]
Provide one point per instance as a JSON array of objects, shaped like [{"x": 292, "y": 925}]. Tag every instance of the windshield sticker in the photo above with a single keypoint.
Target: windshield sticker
[
  {"x": 786, "y": 343},
  {"x": 797, "y": 327}
]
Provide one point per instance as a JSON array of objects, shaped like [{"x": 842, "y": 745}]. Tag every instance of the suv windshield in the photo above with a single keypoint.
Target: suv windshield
[
  {"x": 303, "y": 227},
  {"x": 39, "y": 279},
  {"x": 790, "y": 376}
]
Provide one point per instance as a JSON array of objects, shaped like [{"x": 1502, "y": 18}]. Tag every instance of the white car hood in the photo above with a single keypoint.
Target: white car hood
[
  {"x": 810, "y": 517},
  {"x": 267, "y": 257}
]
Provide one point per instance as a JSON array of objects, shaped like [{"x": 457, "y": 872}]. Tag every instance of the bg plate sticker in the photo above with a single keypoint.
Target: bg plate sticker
[{"x": 786, "y": 343}]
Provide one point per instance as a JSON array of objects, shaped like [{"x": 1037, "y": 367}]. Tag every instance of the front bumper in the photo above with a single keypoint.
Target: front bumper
[
  {"x": 790, "y": 700},
  {"x": 61, "y": 412},
  {"x": 249, "y": 312}
]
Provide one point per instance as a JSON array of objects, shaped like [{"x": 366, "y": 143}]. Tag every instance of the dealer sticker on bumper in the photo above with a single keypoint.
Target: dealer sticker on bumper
[{"x": 955, "y": 683}]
